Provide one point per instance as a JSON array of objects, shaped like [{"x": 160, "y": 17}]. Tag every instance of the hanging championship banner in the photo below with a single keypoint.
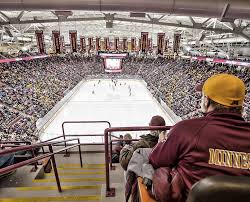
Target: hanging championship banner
[
  {"x": 90, "y": 40},
  {"x": 56, "y": 41},
  {"x": 144, "y": 42},
  {"x": 73, "y": 40},
  {"x": 160, "y": 43},
  {"x": 139, "y": 45},
  {"x": 62, "y": 44},
  {"x": 120, "y": 48},
  {"x": 116, "y": 43},
  {"x": 83, "y": 44},
  {"x": 166, "y": 45},
  {"x": 125, "y": 44},
  {"x": 40, "y": 41},
  {"x": 97, "y": 44},
  {"x": 106, "y": 44},
  {"x": 176, "y": 43},
  {"x": 150, "y": 45},
  {"x": 133, "y": 44}
]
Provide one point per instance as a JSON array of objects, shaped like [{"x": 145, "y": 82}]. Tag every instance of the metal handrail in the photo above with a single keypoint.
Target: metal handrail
[
  {"x": 111, "y": 149},
  {"x": 66, "y": 122},
  {"x": 15, "y": 142},
  {"x": 35, "y": 159},
  {"x": 39, "y": 145},
  {"x": 33, "y": 146},
  {"x": 111, "y": 191}
]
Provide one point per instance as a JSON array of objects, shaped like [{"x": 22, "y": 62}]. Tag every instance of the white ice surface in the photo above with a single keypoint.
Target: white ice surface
[{"x": 95, "y": 101}]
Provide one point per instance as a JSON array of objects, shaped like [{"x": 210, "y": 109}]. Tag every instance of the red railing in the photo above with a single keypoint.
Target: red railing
[
  {"x": 4, "y": 144},
  {"x": 81, "y": 135},
  {"x": 111, "y": 191},
  {"x": 111, "y": 149},
  {"x": 35, "y": 159},
  {"x": 15, "y": 142}
]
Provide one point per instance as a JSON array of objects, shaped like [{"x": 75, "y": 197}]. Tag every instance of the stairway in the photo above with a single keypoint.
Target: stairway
[{"x": 78, "y": 184}]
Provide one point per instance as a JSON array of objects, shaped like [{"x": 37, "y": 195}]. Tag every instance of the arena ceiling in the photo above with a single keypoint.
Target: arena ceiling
[{"x": 18, "y": 27}]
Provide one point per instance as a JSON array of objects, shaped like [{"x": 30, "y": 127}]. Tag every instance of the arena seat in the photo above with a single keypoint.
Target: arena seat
[
  {"x": 143, "y": 192},
  {"x": 221, "y": 189}
]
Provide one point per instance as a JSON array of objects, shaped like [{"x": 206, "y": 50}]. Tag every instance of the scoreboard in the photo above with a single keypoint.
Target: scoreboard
[
  {"x": 113, "y": 61},
  {"x": 113, "y": 64}
]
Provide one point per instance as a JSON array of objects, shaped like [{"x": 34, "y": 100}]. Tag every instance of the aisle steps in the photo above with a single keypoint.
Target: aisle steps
[{"x": 78, "y": 184}]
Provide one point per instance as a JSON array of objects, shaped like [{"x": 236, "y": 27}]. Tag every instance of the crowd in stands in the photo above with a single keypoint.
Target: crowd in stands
[
  {"x": 174, "y": 81},
  {"x": 30, "y": 89}
]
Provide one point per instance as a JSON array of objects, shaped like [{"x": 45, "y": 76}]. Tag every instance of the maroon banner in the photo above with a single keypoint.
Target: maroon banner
[
  {"x": 56, "y": 41},
  {"x": 83, "y": 44},
  {"x": 62, "y": 43},
  {"x": 40, "y": 41},
  {"x": 125, "y": 44},
  {"x": 90, "y": 40},
  {"x": 97, "y": 44},
  {"x": 120, "y": 46},
  {"x": 150, "y": 44},
  {"x": 139, "y": 45},
  {"x": 73, "y": 40},
  {"x": 166, "y": 45},
  {"x": 106, "y": 43},
  {"x": 144, "y": 42},
  {"x": 133, "y": 44},
  {"x": 160, "y": 43},
  {"x": 116, "y": 43},
  {"x": 176, "y": 43}
]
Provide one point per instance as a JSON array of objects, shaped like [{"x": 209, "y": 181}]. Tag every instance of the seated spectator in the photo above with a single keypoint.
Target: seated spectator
[
  {"x": 216, "y": 144},
  {"x": 126, "y": 144},
  {"x": 127, "y": 137},
  {"x": 6, "y": 160},
  {"x": 116, "y": 150},
  {"x": 147, "y": 141},
  {"x": 138, "y": 167}
]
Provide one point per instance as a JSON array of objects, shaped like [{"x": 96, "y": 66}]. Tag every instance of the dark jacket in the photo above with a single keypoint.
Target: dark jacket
[{"x": 217, "y": 144}]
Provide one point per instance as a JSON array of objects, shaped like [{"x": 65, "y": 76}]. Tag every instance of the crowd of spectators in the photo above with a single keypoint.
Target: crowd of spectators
[
  {"x": 30, "y": 89},
  {"x": 174, "y": 81}
]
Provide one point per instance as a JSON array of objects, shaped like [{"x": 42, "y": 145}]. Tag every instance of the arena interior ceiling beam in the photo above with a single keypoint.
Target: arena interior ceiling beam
[
  {"x": 192, "y": 20},
  {"x": 223, "y": 9},
  {"x": 4, "y": 17},
  {"x": 211, "y": 45},
  {"x": 155, "y": 21},
  {"x": 20, "y": 15},
  {"x": 216, "y": 48}
]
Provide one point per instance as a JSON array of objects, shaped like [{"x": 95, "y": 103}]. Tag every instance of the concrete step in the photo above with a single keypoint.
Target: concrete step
[
  {"x": 95, "y": 158},
  {"x": 53, "y": 199},
  {"x": 50, "y": 191},
  {"x": 79, "y": 168},
  {"x": 77, "y": 165},
  {"x": 33, "y": 188},
  {"x": 75, "y": 173},
  {"x": 70, "y": 183},
  {"x": 79, "y": 179}
]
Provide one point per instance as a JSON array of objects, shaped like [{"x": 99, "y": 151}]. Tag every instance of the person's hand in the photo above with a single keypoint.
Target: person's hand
[{"x": 162, "y": 137}]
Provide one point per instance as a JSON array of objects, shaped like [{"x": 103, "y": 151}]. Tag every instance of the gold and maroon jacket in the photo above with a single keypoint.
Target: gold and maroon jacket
[{"x": 217, "y": 144}]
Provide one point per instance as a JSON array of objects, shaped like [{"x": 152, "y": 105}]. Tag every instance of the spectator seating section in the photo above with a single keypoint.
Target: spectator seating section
[{"x": 30, "y": 89}]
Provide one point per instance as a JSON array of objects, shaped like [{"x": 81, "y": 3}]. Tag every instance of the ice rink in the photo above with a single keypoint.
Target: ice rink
[{"x": 121, "y": 102}]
